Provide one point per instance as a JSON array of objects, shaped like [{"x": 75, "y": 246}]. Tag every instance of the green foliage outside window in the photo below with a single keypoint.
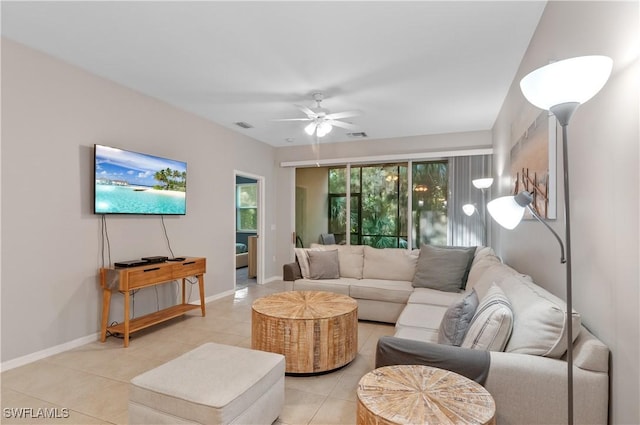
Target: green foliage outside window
[
  {"x": 379, "y": 195},
  {"x": 247, "y": 207}
]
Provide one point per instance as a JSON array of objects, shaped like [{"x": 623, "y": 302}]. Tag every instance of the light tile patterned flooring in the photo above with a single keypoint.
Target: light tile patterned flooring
[{"x": 92, "y": 381}]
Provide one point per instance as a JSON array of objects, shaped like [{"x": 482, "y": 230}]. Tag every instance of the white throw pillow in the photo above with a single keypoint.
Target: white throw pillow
[{"x": 492, "y": 323}]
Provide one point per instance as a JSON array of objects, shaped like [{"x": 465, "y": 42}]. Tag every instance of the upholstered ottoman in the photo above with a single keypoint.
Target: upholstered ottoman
[{"x": 212, "y": 384}]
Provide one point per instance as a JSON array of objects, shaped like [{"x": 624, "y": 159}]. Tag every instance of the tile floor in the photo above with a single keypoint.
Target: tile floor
[
  {"x": 92, "y": 381},
  {"x": 242, "y": 278}
]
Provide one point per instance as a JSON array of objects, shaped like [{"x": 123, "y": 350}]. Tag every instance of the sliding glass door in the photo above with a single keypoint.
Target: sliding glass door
[{"x": 379, "y": 196}]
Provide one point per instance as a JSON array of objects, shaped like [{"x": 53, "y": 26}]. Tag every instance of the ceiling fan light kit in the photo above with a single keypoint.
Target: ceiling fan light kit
[{"x": 322, "y": 122}]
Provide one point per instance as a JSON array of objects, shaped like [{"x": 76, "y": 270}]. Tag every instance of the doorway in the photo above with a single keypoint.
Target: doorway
[{"x": 248, "y": 226}]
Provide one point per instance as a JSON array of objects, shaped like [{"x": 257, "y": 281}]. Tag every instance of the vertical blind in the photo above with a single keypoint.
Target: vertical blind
[{"x": 468, "y": 230}]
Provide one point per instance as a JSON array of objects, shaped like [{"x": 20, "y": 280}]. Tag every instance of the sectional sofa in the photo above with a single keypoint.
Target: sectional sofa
[{"x": 463, "y": 309}]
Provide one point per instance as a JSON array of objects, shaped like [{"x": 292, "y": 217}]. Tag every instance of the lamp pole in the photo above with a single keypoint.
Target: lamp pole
[
  {"x": 563, "y": 113},
  {"x": 557, "y": 88}
]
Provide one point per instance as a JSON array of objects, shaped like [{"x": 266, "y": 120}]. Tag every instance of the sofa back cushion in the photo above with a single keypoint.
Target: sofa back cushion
[
  {"x": 350, "y": 257},
  {"x": 389, "y": 263},
  {"x": 484, "y": 258},
  {"x": 493, "y": 273},
  {"x": 540, "y": 320}
]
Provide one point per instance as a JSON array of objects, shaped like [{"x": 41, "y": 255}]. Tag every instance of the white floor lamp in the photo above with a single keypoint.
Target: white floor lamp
[{"x": 559, "y": 87}]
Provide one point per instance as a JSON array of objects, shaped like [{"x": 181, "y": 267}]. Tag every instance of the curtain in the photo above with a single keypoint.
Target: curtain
[{"x": 468, "y": 230}]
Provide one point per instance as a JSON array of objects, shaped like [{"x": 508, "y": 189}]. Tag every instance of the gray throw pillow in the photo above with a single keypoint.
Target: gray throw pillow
[
  {"x": 443, "y": 268},
  {"x": 324, "y": 264},
  {"x": 456, "y": 320}
]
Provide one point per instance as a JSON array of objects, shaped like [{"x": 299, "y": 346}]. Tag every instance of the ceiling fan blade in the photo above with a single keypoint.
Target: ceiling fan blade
[
  {"x": 294, "y": 119},
  {"x": 345, "y": 114},
  {"x": 307, "y": 111},
  {"x": 342, "y": 124}
]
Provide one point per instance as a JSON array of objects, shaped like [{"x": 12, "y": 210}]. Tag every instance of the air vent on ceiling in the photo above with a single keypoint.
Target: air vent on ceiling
[
  {"x": 243, "y": 124},
  {"x": 359, "y": 134}
]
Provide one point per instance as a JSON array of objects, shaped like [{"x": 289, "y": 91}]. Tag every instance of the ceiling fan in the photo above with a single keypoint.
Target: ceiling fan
[{"x": 322, "y": 122}]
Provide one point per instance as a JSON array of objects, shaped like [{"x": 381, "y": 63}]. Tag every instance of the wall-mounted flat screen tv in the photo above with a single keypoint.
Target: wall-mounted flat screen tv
[{"x": 129, "y": 182}]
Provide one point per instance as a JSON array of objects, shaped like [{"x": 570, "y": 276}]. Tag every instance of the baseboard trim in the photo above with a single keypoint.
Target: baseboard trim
[
  {"x": 51, "y": 351},
  {"x": 47, "y": 352},
  {"x": 271, "y": 279}
]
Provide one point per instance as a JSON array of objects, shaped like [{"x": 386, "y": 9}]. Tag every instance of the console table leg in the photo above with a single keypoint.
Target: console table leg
[
  {"x": 106, "y": 303},
  {"x": 127, "y": 298},
  {"x": 201, "y": 285}
]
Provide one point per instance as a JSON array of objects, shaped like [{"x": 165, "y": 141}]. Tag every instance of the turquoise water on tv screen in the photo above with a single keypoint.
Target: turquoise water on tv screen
[{"x": 112, "y": 199}]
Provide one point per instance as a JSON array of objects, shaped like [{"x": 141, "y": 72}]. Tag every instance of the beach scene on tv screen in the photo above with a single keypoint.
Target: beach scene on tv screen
[{"x": 135, "y": 183}]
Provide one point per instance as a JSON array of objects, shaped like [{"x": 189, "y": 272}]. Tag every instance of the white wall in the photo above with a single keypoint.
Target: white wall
[
  {"x": 603, "y": 168},
  {"x": 316, "y": 182},
  {"x": 52, "y": 114}
]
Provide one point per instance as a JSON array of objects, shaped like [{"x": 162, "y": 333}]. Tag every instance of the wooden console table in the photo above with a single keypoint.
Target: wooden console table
[{"x": 127, "y": 279}]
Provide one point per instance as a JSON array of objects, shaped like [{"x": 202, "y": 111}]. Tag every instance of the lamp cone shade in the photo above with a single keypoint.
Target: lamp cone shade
[
  {"x": 506, "y": 211},
  {"x": 570, "y": 80}
]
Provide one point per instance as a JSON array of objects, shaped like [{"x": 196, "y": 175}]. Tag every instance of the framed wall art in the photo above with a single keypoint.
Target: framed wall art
[{"x": 533, "y": 165}]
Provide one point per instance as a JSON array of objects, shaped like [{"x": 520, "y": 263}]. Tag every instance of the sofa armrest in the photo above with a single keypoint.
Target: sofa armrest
[
  {"x": 291, "y": 272},
  {"x": 473, "y": 364},
  {"x": 515, "y": 378}
]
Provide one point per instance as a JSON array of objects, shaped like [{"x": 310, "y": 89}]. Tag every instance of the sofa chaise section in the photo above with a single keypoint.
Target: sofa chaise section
[{"x": 522, "y": 363}]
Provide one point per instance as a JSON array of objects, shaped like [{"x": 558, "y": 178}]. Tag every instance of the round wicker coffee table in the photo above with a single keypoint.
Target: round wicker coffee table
[
  {"x": 422, "y": 395},
  {"x": 315, "y": 331}
]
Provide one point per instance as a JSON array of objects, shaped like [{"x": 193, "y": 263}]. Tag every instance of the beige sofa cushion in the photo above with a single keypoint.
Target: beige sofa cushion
[
  {"x": 351, "y": 258},
  {"x": 495, "y": 273},
  {"x": 421, "y": 316},
  {"x": 435, "y": 297},
  {"x": 394, "y": 291},
  {"x": 417, "y": 334},
  {"x": 539, "y": 325},
  {"x": 338, "y": 286},
  {"x": 389, "y": 263},
  {"x": 484, "y": 258}
]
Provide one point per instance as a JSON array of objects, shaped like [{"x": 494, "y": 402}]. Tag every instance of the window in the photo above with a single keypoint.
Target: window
[
  {"x": 247, "y": 207},
  {"x": 430, "y": 203},
  {"x": 379, "y": 204}
]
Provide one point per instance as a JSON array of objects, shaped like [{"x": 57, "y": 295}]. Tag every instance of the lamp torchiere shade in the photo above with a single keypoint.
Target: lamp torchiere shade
[
  {"x": 483, "y": 183},
  {"x": 567, "y": 81}
]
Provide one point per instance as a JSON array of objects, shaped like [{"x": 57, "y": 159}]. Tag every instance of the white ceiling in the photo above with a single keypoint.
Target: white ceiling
[{"x": 412, "y": 68}]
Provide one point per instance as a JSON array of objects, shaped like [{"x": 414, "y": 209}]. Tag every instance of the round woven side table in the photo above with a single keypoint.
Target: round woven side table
[
  {"x": 412, "y": 394},
  {"x": 316, "y": 331}
]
